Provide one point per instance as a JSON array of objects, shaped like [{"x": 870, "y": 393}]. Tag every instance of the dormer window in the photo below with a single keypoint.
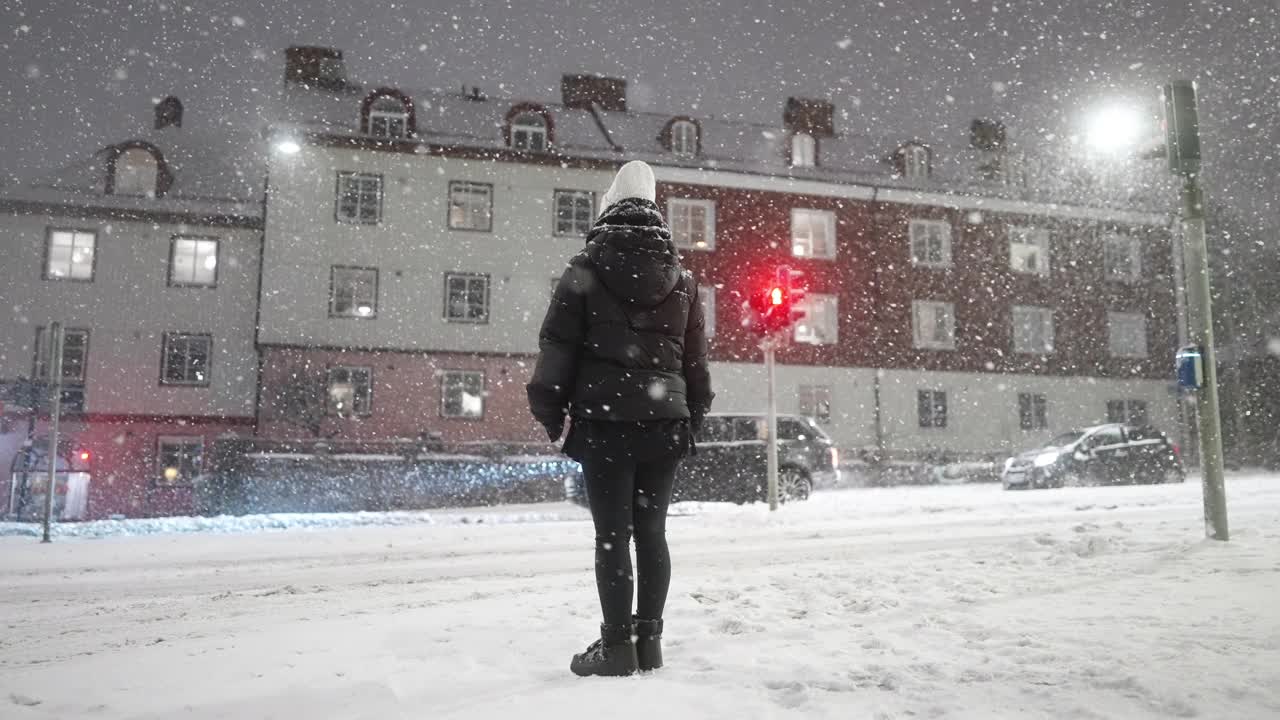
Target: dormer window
[
  {"x": 916, "y": 163},
  {"x": 134, "y": 172},
  {"x": 529, "y": 132},
  {"x": 804, "y": 150},
  {"x": 684, "y": 138},
  {"x": 387, "y": 113}
]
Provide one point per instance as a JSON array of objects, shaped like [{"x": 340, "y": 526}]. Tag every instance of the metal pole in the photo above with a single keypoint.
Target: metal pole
[
  {"x": 772, "y": 445},
  {"x": 1201, "y": 332},
  {"x": 55, "y": 410}
]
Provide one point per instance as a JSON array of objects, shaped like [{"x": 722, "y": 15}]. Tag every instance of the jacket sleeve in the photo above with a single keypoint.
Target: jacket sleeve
[
  {"x": 559, "y": 351},
  {"x": 697, "y": 374}
]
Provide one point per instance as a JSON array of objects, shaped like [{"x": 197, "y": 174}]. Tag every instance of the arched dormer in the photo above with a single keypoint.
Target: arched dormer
[
  {"x": 388, "y": 113},
  {"x": 528, "y": 127},
  {"x": 137, "y": 168},
  {"x": 803, "y": 150},
  {"x": 682, "y": 136},
  {"x": 913, "y": 160}
]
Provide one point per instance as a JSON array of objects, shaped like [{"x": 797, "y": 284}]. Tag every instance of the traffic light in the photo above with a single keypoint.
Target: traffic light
[{"x": 772, "y": 308}]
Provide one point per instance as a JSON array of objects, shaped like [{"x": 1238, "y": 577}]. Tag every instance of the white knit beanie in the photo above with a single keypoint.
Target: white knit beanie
[{"x": 634, "y": 180}]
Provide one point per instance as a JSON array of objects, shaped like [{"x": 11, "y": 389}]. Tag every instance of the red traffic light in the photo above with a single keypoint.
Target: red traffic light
[
  {"x": 84, "y": 456},
  {"x": 777, "y": 296},
  {"x": 772, "y": 308}
]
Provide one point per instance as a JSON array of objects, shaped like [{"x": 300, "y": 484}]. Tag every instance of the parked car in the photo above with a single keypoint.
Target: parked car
[
  {"x": 1102, "y": 455},
  {"x": 731, "y": 465}
]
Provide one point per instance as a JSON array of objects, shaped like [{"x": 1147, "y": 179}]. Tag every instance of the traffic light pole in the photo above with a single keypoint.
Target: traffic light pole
[
  {"x": 1199, "y": 302},
  {"x": 771, "y": 447},
  {"x": 54, "y": 366}
]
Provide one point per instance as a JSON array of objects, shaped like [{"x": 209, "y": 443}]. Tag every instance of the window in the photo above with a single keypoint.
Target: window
[
  {"x": 1133, "y": 412},
  {"x": 193, "y": 262},
  {"x": 470, "y": 206},
  {"x": 707, "y": 296},
  {"x": 1122, "y": 255},
  {"x": 575, "y": 211},
  {"x": 350, "y": 391},
  {"x": 462, "y": 394},
  {"x": 915, "y": 161},
  {"x": 1029, "y": 250},
  {"x": 1127, "y": 334},
  {"x": 1033, "y": 411},
  {"x": 466, "y": 298},
  {"x": 693, "y": 223},
  {"x": 75, "y": 355},
  {"x": 1032, "y": 330},
  {"x": 353, "y": 292},
  {"x": 815, "y": 402},
  {"x": 804, "y": 150},
  {"x": 813, "y": 233},
  {"x": 684, "y": 138},
  {"x": 179, "y": 460},
  {"x": 69, "y": 254},
  {"x": 821, "y": 322},
  {"x": 387, "y": 118},
  {"x": 930, "y": 243},
  {"x": 359, "y": 198},
  {"x": 931, "y": 407},
  {"x": 529, "y": 132},
  {"x": 933, "y": 325},
  {"x": 186, "y": 359},
  {"x": 136, "y": 171}
]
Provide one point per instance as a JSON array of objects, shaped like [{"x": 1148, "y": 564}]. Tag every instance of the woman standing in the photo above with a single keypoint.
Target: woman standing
[{"x": 623, "y": 352}]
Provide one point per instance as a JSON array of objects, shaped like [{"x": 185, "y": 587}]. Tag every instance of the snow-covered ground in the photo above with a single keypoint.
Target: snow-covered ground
[{"x": 960, "y": 602}]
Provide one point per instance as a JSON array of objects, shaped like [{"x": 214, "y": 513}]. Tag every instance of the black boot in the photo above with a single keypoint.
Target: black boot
[
  {"x": 648, "y": 644},
  {"x": 613, "y": 655}
]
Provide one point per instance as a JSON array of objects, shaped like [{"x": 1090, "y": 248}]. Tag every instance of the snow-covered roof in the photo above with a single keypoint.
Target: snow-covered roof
[{"x": 460, "y": 120}]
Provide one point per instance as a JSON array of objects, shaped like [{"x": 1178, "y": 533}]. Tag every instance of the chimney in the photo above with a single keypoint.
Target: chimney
[
  {"x": 168, "y": 113},
  {"x": 584, "y": 91},
  {"x": 814, "y": 117},
  {"x": 315, "y": 67}
]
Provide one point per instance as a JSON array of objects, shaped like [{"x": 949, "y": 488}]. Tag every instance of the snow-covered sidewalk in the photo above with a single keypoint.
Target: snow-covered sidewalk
[{"x": 963, "y": 602}]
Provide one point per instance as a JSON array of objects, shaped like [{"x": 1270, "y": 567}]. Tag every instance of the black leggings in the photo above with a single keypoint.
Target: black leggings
[{"x": 629, "y": 497}]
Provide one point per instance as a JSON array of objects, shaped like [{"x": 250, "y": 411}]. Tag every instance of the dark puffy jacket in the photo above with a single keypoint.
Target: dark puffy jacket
[{"x": 624, "y": 336}]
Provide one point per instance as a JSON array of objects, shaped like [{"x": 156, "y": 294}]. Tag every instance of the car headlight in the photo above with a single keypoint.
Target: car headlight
[{"x": 1047, "y": 459}]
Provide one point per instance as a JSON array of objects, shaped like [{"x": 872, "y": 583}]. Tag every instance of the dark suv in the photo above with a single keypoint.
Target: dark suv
[
  {"x": 1103, "y": 455},
  {"x": 730, "y": 464}
]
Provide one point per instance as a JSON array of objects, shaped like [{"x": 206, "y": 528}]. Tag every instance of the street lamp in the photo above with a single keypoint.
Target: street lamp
[{"x": 1114, "y": 128}]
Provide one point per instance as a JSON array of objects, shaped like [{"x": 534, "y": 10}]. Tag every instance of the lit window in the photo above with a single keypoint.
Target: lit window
[
  {"x": 684, "y": 138},
  {"x": 135, "y": 173},
  {"x": 194, "y": 262},
  {"x": 930, "y": 243},
  {"x": 804, "y": 150},
  {"x": 470, "y": 206},
  {"x": 353, "y": 292},
  {"x": 813, "y": 233},
  {"x": 359, "y": 198},
  {"x": 1122, "y": 255},
  {"x": 69, "y": 254},
  {"x": 388, "y": 118},
  {"x": 1033, "y": 411},
  {"x": 462, "y": 394},
  {"x": 692, "y": 223},
  {"x": 179, "y": 460},
  {"x": 931, "y": 408},
  {"x": 466, "y": 298},
  {"x": 529, "y": 132},
  {"x": 1029, "y": 250},
  {"x": 815, "y": 402},
  {"x": 933, "y": 325},
  {"x": 186, "y": 359},
  {"x": 350, "y": 391},
  {"x": 1032, "y": 330},
  {"x": 915, "y": 161},
  {"x": 575, "y": 211},
  {"x": 1127, "y": 334},
  {"x": 820, "y": 324}
]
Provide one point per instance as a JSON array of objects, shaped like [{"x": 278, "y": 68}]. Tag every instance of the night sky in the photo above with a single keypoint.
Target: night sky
[{"x": 73, "y": 68}]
